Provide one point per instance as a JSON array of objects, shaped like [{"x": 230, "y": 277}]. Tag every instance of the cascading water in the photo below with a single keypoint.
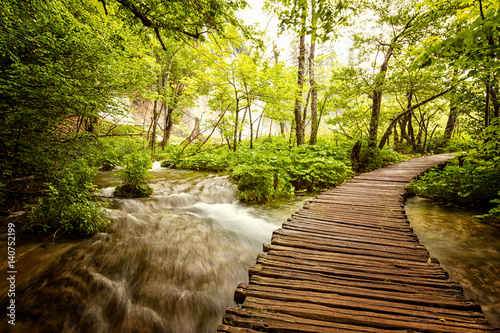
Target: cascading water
[{"x": 170, "y": 263}]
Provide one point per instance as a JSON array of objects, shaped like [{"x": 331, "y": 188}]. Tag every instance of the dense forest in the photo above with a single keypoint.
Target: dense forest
[{"x": 421, "y": 77}]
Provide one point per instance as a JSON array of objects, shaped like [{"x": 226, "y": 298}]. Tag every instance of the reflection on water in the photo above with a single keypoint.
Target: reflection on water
[
  {"x": 468, "y": 249},
  {"x": 170, "y": 263}
]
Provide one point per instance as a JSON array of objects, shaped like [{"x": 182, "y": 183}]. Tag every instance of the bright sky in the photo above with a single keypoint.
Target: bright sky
[{"x": 253, "y": 14}]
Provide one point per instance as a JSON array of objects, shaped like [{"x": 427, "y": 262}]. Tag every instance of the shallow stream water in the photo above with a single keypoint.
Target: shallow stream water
[{"x": 467, "y": 248}]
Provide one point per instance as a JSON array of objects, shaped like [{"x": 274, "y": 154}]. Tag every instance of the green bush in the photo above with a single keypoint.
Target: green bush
[
  {"x": 439, "y": 145},
  {"x": 365, "y": 158},
  {"x": 261, "y": 183},
  {"x": 134, "y": 176},
  {"x": 273, "y": 169},
  {"x": 317, "y": 173},
  {"x": 127, "y": 191},
  {"x": 471, "y": 179},
  {"x": 214, "y": 160},
  {"x": 113, "y": 151},
  {"x": 69, "y": 204}
]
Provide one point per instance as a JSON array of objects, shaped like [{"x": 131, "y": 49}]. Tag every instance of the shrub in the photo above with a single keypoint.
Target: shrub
[
  {"x": 273, "y": 169},
  {"x": 365, "y": 158},
  {"x": 261, "y": 183},
  {"x": 471, "y": 179},
  {"x": 114, "y": 150},
  {"x": 214, "y": 160},
  {"x": 69, "y": 204},
  {"x": 134, "y": 176},
  {"x": 317, "y": 173}
]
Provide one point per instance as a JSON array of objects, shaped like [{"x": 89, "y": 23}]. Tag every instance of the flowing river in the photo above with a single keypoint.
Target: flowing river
[{"x": 171, "y": 262}]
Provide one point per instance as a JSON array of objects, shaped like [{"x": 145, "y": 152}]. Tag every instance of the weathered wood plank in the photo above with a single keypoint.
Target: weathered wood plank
[
  {"x": 397, "y": 301},
  {"x": 297, "y": 324},
  {"x": 451, "y": 289},
  {"x": 361, "y": 318}
]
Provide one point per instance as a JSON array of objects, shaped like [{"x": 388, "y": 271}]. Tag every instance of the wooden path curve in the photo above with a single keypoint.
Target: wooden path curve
[{"x": 348, "y": 261}]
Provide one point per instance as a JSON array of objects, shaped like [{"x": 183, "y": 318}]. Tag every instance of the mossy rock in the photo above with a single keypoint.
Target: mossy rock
[{"x": 127, "y": 191}]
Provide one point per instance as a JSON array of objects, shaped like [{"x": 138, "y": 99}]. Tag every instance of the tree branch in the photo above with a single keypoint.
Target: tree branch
[{"x": 407, "y": 111}]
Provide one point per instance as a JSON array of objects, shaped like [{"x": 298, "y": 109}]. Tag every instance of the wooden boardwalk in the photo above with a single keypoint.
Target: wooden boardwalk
[{"x": 349, "y": 262}]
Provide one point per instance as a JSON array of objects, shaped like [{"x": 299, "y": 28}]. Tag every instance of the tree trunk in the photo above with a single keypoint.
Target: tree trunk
[
  {"x": 487, "y": 107},
  {"x": 450, "y": 124},
  {"x": 237, "y": 111},
  {"x": 314, "y": 93},
  {"x": 242, "y": 124},
  {"x": 495, "y": 101},
  {"x": 196, "y": 130},
  {"x": 404, "y": 113},
  {"x": 378, "y": 88},
  {"x": 154, "y": 123},
  {"x": 377, "y": 100},
  {"x": 396, "y": 136},
  {"x": 299, "y": 125},
  {"x": 169, "y": 124}
]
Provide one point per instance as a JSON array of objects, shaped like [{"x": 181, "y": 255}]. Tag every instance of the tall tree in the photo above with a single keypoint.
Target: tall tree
[
  {"x": 63, "y": 64},
  {"x": 398, "y": 25},
  {"x": 473, "y": 47},
  {"x": 325, "y": 16}
]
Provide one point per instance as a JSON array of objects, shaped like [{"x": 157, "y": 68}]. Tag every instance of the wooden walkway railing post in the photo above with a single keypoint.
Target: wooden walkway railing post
[{"x": 349, "y": 261}]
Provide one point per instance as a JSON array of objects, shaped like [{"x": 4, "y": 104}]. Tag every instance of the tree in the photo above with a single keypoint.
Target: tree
[
  {"x": 325, "y": 16},
  {"x": 64, "y": 64},
  {"x": 399, "y": 24},
  {"x": 184, "y": 19},
  {"x": 473, "y": 47}
]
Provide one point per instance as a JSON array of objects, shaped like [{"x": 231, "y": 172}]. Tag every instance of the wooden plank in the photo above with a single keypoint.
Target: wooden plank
[
  {"x": 342, "y": 257},
  {"x": 366, "y": 297},
  {"x": 372, "y": 225},
  {"x": 449, "y": 290},
  {"x": 386, "y": 275},
  {"x": 417, "y": 254},
  {"x": 298, "y": 324},
  {"x": 332, "y": 228},
  {"x": 382, "y": 309},
  {"x": 352, "y": 238},
  {"x": 360, "y": 318}
]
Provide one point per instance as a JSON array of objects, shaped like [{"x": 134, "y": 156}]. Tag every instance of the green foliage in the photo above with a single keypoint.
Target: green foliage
[
  {"x": 471, "y": 179},
  {"x": 62, "y": 63},
  {"x": 315, "y": 168},
  {"x": 493, "y": 213},
  {"x": 69, "y": 204},
  {"x": 365, "y": 158},
  {"x": 127, "y": 191},
  {"x": 438, "y": 145},
  {"x": 113, "y": 151},
  {"x": 214, "y": 160},
  {"x": 273, "y": 169},
  {"x": 134, "y": 176},
  {"x": 261, "y": 183}
]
